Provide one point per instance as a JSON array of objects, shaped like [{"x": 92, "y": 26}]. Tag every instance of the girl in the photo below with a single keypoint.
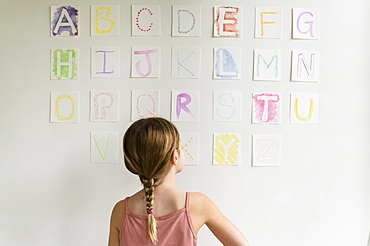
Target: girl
[{"x": 161, "y": 214}]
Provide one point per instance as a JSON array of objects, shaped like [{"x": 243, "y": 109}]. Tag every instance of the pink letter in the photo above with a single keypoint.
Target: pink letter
[{"x": 149, "y": 62}]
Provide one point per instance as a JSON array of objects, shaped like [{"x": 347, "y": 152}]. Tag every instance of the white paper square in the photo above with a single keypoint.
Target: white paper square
[
  {"x": 104, "y": 147},
  {"x": 268, "y": 22},
  {"x": 304, "y": 108},
  {"x": 228, "y": 21},
  {"x": 186, "y": 62},
  {"x": 185, "y": 106},
  {"x": 266, "y": 150},
  {"x": 146, "y": 20},
  {"x": 305, "y": 66},
  {"x": 64, "y": 106},
  {"x": 65, "y": 21},
  {"x": 306, "y": 23},
  {"x": 105, "y": 20},
  {"x": 190, "y": 147},
  {"x": 227, "y": 106},
  {"x": 267, "y": 65},
  {"x": 266, "y": 108},
  {"x": 186, "y": 20},
  {"x": 104, "y": 106},
  {"x": 105, "y": 62},
  {"x": 226, "y": 149},
  {"x": 227, "y": 63},
  {"x": 144, "y": 104},
  {"x": 64, "y": 64},
  {"x": 145, "y": 62}
]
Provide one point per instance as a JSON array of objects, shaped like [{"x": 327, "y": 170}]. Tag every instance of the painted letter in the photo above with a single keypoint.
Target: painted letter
[
  {"x": 182, "y": 105},
  {"x": 225, "y": 64},
  {"x": 67, "y": 63},
  {"x": 149, "y": 62},
  {"x": 104, "y": 17},
  {"x": 310, "y": 24},
  {"x": 64, "y": 14}
]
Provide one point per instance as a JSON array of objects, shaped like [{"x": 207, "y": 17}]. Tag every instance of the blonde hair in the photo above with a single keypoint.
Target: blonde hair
[{"x": 148, "y": 145}]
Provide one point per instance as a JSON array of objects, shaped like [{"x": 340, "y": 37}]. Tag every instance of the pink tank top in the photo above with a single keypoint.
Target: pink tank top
[{"x": 174, "y": 229}]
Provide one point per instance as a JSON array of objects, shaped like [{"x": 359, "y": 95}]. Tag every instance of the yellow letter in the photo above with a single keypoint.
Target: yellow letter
[
  {"x": 310, "y": 111},
  {"x": 265, "y": 22},
  {"x": 97, "y": 19},
  {"x": 57, "y": 113}
]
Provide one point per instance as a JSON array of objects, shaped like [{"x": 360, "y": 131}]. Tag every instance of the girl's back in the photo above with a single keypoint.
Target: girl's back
[
  {"x": 160, "y": 213},
  {"x": 174, "y": 224}
]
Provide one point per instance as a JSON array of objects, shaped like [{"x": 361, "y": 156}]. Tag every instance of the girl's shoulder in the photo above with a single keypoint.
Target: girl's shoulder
[
  {"x": 198, "y": 198},
  {"x": 118, "y": 213},
  {"x": 200, "y": 204}
]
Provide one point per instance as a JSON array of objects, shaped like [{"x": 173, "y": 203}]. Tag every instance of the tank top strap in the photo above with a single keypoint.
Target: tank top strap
[
  {"x": 188, "y": 216},
  {"x": 187, "y": 198},
  {"x": 126, "y": 204}
]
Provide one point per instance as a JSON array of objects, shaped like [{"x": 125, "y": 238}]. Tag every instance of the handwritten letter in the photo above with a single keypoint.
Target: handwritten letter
[
  {"x": 186, "y": 62},
  {"x": 146, "y": 20},
  {"x": 227, "y": 21},
  {"x": 226, "y": 149},
  {"x": 105, "y": 20},
  {"x": 64, "y": 21},
  {"x": 190, "y": 147},
  {"x": 266, "y": 108},
  {"x": 64, "y": 106},
  {"x": 268, "y": 22},
  {"x": 104, "y": 147},
  {"x": 266, "y": 150},
  {"x": 104, "y": 106},
  {"x": 227, "y": 106},
  {"x": 64, "y": 63},
  {"x": 305, "y": 65},
  {"x": 185, "y": 106},
  {"x": 306, "y": 23},
  {"x": 105, "y": 62},
  {"x": 267, "y": 65},
  {"x": 227, "y": 63},
  {"x": 145, "y": 62},
  {"x": 186, "y": 20},
  {"x": 145, "y": 104},
  {"x": 304, "y": 108}
]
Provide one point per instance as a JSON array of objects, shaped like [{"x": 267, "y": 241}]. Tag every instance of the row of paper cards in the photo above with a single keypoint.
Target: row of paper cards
[
  {"x": 227, "y": 106},
  {"x": 186, "y": 21},
  {"x": 266, "y": 149},
  {"x": 186, "y": 63}
]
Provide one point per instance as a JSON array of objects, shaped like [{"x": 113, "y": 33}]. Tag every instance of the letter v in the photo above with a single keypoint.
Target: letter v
[{"x": 103, "y": 155}]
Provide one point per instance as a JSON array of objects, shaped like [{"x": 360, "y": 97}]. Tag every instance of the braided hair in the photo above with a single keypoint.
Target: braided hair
[{"x": 148, "y": 145}]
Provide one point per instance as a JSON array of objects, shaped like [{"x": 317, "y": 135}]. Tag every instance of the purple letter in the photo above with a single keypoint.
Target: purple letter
[
  {"x": 105, "y": 62},
  {"x": 182, "y": 105},
  {"x": 306, "y": 22}
]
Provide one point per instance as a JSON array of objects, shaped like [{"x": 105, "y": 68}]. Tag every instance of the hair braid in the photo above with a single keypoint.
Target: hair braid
[
  {"x": 149, "y": 197},
  {"x": 148, "y": 145}
]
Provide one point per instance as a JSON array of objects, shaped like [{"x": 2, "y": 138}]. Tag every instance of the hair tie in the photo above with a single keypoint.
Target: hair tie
[{"x": 149, "y": 212}]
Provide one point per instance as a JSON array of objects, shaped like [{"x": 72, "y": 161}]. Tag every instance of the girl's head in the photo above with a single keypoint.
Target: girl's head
[{"x": 148, "y": 146}]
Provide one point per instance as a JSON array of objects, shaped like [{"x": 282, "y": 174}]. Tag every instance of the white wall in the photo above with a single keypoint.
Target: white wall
[{"x": 52, "y": 194}]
